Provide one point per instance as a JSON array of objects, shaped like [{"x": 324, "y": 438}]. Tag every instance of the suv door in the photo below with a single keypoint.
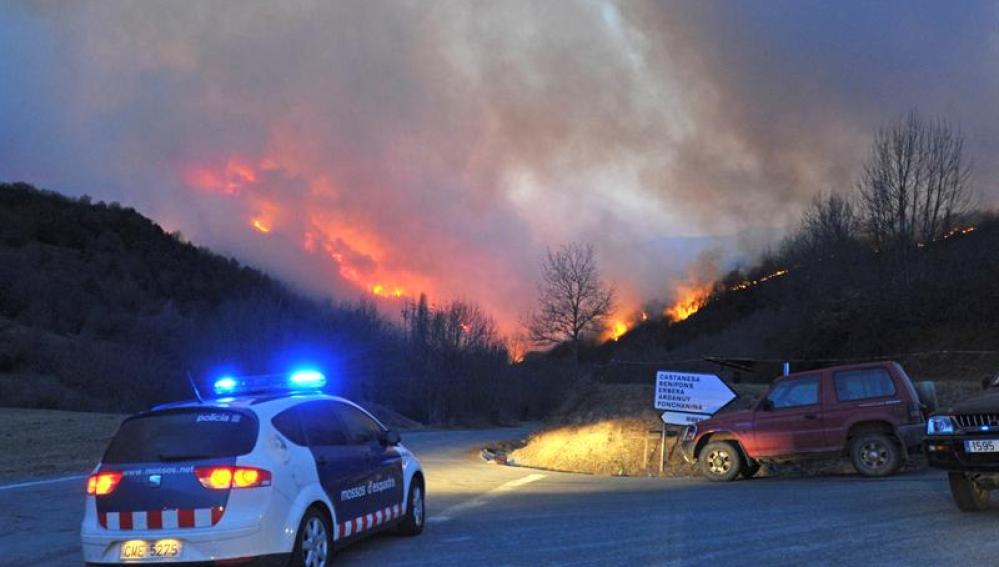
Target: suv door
[
  {"x": 789, "y": 420},
  {"x": 384, "y": 478},
  {"x": 862, "y": 394},
  {"x": 342, "y": 466}
]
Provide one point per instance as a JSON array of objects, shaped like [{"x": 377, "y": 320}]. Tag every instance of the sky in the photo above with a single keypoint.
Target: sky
[{"x": 390, "y": 148}]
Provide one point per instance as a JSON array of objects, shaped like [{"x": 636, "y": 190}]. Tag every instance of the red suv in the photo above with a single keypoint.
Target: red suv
[{"x": 870, "y": 412}]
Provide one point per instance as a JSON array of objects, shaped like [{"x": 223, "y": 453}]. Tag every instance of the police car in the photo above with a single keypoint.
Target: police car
[{"x": 270, "y": 472}]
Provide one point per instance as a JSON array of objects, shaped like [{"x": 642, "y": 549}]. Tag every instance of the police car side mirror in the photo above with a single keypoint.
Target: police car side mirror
[
  {"x": 767, "y": 404},
  {"x": 390, "y": 437}
]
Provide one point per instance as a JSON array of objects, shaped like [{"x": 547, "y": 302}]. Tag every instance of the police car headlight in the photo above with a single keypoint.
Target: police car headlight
[
  {"x": 689, "y": 433},
  {"x": 940, "y": 425}
]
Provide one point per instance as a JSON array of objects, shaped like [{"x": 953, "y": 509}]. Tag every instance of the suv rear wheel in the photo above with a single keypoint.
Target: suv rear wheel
[
  {"x": 720, "y": 461},
  {"x": 875, "y": 454},
  {"x": 968, "y": 494}
]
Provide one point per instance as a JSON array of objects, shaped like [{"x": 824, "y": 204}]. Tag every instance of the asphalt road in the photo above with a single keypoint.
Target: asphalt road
[{"x": 487, "y": 514}]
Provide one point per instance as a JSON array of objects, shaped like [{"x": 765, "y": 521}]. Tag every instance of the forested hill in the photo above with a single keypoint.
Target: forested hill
[
  {"x": 91, "y": 293},
  {"x": 816, "y": 302},
  {"x": 100, "y": 309}
]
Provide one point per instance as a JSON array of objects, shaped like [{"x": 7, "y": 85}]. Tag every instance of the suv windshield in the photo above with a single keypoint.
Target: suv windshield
[{"x": 186, "y": 434}]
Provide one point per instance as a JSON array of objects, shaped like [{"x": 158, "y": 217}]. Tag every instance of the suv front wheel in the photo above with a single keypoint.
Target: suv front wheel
[
  {"x": 968, "y": 494},
  {"x": 720, "y": 461},
  {"x": 875, "y": 454}
]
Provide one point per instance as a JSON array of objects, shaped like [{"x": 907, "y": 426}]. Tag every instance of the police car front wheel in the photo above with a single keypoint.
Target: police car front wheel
[
  {"x": 416, "y": 509},
  {"x": 313, "y": 545}
]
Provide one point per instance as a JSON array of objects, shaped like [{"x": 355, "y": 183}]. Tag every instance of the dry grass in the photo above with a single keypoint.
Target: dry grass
[
  {"x": 605, "y": 428},
  {"x": 39, "y": 443},
  {"x": 610, "y": 429}
]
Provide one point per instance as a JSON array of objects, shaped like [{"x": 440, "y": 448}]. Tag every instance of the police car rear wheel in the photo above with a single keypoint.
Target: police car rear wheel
[
  {"x": 313, "y": 545},
  {"x": 412, "y": 522}
]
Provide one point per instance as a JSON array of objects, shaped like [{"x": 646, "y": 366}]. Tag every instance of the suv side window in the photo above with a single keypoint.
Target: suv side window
[
  {"x": 361, "y": 429},
  {"x": 863, "y": 384},
  {"x": 795, "y": 393},
  {"x": 321, "y": 425}
]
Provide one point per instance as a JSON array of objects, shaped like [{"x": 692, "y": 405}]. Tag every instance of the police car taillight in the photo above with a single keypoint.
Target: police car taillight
[
  {"x": 224, "y": 478},
  {"x": 100, "y": 484}
]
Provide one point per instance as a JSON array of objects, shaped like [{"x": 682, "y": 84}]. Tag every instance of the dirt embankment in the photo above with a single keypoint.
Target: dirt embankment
[{"x": 611, "y": 429}]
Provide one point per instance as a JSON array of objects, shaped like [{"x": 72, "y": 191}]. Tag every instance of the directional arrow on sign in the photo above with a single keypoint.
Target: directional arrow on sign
[
  {"x": 691, "y": 394},
  {"x": 680, "y": 418}
]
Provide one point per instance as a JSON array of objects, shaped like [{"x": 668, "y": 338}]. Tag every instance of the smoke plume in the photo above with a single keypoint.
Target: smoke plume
[{"x": 390, "y": 147}]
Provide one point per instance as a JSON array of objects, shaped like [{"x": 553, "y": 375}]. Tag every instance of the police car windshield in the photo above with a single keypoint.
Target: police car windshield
[{"x": 183, "y": 434}]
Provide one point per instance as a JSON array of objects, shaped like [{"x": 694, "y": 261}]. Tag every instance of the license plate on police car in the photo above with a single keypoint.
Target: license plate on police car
[
  {"x": 142, "y": 549},
  {"x": 982, "y": 446}
]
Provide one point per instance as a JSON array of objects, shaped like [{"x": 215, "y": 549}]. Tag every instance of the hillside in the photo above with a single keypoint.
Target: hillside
[
  {"x": 937, "y": 313},
  {"x": 101, "y": 310}
]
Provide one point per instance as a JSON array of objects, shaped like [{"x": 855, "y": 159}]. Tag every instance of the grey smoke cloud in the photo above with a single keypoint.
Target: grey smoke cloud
[{"x": 440, "y": 146}]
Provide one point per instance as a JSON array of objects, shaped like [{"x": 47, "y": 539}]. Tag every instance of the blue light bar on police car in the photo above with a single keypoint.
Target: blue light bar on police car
[
  {"x": 304, "y": 379},
  {"x": 307, "y": 379},
  {"x": 225, "y": 385}
]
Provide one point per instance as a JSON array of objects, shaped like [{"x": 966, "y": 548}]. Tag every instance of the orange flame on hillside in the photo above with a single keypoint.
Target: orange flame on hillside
[
  {"x": 260, "y": 226},
  {"x": 516, "y": 351},
  {"x": 750, "y": 283},
  {"x": 619, "y": 325},
  {"x": 383, "y": 291},
  {"x": 689, "y": 300},
  {"x": 617, "y": 330},
  {"x": 690, "y": 295},
  {"x": 359, "y": 255}
]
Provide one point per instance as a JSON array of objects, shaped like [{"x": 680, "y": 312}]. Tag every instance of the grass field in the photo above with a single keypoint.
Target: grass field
[{"x": 35, "y": 444}]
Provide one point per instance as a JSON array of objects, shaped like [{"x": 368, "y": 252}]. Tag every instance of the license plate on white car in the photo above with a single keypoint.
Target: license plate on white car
[
  {"x": 982, "y": 446},
  {"x": 142, "y": 549}
]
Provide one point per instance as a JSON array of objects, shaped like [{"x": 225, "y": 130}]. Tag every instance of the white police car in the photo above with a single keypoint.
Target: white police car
[{"x": 272, "y": 478}]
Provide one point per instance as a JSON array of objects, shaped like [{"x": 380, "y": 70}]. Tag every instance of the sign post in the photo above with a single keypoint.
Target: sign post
[{"x": 687, "y": 398}]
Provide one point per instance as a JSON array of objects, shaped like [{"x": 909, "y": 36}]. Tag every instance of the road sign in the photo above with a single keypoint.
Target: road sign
[
  {"x": 690, "y": 394},
  {"x": 680, "y": 418}
]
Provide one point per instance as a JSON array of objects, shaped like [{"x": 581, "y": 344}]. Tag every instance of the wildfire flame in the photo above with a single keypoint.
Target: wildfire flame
[
  {"x": 260, "y": 226},
  {"x": 620, "y": 325},
  {"x": 617, "y": 330},
  {"x": 358, "y": 255},
  {"x": 690, "y": 298},
  {"x": 959, "y": 231},
  {"x": 750, "y": 283},
  {"x": 382, "y": 291}
]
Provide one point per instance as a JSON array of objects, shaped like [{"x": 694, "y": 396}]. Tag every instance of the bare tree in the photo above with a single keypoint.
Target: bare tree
[
  {"x": 829, "y": 227},
  {"x": 915, "y": 183},
  {"x": 457, "y": 356},
  {"x": 572, "y": 300}
]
